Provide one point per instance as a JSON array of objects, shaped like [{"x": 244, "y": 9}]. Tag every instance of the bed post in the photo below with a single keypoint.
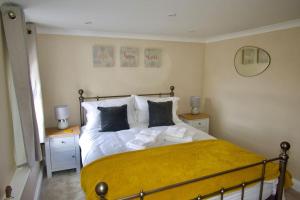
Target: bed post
[
  {"x": 172, "y": 88},
  {"x": 101, "y": 190},
  {"x": 81, "y": 99},
  {"x": 285, "y": 146}
]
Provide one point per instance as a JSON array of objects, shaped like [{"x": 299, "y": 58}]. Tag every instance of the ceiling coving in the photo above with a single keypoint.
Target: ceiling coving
[{"x": 197, "y": 20}]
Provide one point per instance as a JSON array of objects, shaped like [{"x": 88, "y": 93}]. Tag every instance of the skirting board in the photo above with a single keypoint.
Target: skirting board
[
  {"x": 296, "y": 185},
  {"x": 38, "y": 187}
]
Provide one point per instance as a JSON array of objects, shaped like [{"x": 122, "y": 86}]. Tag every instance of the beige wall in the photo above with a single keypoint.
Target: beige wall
[
  {"x": 7, "y": 163},
  {"x": 257, "y": 112},
  {"x": 66, "y": 66}
]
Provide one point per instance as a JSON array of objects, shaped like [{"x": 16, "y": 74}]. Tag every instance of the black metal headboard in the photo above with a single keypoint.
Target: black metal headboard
[{"x": 82, "y": 99}]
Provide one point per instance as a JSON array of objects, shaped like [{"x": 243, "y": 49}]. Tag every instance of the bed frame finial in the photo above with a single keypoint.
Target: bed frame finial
[
  {"x": 285, "y": 146},
  {"x": 172, "y": 88},
  {"x": 80, "y": 92},
  {"x": 101, "y": 190},
  {"x": 284, "y": 157}
]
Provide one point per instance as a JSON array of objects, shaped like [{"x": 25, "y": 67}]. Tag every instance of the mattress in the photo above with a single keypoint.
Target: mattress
[{"x": 95, "y": 145}]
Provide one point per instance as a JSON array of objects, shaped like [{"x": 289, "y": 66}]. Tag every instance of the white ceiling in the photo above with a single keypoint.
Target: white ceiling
[{"x": 195, "y": 19}]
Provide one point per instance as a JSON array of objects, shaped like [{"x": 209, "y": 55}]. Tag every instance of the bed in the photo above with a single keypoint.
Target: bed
[{"x": 101, "y": 151}]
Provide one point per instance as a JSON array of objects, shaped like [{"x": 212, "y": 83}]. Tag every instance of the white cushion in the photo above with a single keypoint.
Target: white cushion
[
  {"x": 93, "y": 114},
  {"x": 142, "y": 109}
]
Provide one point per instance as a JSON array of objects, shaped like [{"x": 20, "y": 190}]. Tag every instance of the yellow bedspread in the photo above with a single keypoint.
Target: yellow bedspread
[{"x": 128, "y": 173}]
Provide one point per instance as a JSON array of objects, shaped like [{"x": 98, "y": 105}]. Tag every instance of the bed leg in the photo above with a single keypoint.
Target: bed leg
[
  {"x": 101, "y": 190},
  {"x": 285, "y": 146}
]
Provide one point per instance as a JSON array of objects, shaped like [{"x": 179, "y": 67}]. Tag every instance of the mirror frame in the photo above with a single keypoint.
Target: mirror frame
[{"x": 251, "y": 47}]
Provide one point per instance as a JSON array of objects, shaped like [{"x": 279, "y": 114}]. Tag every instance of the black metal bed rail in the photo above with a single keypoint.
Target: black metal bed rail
[
  {"x": 224, "y": 190},
  {"x": 102, "y": 187},
  {"x": 195, "y": 180}
]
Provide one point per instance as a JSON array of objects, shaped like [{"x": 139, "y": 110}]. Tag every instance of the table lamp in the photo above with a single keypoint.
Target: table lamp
[
  {"x": 62, "y": 114},
  {"x": 195, "y": 104}
]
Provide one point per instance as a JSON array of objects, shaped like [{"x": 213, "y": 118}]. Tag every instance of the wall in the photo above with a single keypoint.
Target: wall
[
  {"x": 7, "y": 164},
  {"x": 66, "y": 66},
  {"x": 258, "y": 112}
]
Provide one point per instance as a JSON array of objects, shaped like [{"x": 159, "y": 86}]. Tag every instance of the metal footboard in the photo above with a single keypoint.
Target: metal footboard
[{"x": 101, "y": 188}]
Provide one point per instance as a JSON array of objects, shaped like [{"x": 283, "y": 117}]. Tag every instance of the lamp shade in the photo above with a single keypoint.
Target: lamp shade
[
  {"x": 62, "y": 112},
  {"x": 195, "y": 101}
]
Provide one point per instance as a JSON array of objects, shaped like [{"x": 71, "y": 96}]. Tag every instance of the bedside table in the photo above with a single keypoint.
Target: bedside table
[
  {"x": 198, "y": 121},
  {"x": 62, "y": 149}
]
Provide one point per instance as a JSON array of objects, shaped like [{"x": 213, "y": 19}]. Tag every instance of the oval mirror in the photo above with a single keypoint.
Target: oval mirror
[{"x": 251, "y": 61}]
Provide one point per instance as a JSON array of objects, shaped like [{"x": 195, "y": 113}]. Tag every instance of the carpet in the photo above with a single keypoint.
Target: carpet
[{"x": 62, "y": 186}]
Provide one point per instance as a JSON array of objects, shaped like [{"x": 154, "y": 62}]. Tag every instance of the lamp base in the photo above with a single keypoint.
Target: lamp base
[
  {"x": 62, "y": 124},
  {"x": 195, "y": 110}
]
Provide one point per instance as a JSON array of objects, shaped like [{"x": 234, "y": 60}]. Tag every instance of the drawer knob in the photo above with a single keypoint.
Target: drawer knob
[
  {"x": 63, "y": 142},
  {"x": 73, "y": 156},
  {"x": 199, "y": 123}
]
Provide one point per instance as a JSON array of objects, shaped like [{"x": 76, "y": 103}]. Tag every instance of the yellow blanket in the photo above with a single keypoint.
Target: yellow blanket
[{"x": 128, "y": 173}]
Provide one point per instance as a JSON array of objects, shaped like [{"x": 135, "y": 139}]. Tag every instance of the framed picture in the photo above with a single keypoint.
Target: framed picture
[
  {"x": 249, "y": 55},
  {"x": 103, "y": 56},
  {"x": 262, "y": 56},
  {"x": 129, "y": 57},
  {"x": 152, "y": 57}
]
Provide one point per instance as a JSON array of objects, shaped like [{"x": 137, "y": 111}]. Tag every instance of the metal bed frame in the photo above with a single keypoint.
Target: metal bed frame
[
  {"x": 101, "y": 188},
  {"x": 98, "y": 98}
]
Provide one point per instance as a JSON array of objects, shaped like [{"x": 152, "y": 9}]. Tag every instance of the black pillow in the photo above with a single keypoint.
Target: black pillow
[
  {"x": 160, "y": 113},
  {"x": 113, "y": 118}
]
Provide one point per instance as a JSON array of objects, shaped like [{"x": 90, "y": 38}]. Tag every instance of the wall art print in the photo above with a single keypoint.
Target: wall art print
[
  {"x": 129, "y": 57},
  {"x": 153, "y": 57},
  {"x": 103, "y": 56}
]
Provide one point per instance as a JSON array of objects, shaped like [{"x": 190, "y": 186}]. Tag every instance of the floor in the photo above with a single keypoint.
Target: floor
[
  {"x": 62, "y": 186},
  {"x": 292, "y": 195},
  {"x": 66, "y": 185}
]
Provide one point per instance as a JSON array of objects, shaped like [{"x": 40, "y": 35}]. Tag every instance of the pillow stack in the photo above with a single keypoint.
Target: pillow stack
[
  {"x": 128, "y": 112},
  {"x": 93, "y": 116},
  {"x": 142, "y": 108}
]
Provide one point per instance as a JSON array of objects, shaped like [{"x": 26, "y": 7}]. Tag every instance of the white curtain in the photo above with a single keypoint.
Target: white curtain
[{"x": 35, "y": 80}]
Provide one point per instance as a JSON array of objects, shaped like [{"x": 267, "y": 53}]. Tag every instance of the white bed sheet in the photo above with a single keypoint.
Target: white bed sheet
[{"x": 95, "y": 145}]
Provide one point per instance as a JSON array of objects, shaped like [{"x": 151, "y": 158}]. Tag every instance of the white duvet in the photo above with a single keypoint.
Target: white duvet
[{"x": 95, "y": 145}]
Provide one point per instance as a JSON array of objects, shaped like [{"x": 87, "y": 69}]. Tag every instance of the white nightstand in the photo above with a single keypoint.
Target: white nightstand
[
  {"x": 198, "y": 121},
  {"x": 62, "y": 149}
]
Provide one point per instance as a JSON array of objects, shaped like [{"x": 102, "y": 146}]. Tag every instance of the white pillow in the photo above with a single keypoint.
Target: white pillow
[
  {"x": 93, "y": 114},
  {"x": 142, "y": 109}
]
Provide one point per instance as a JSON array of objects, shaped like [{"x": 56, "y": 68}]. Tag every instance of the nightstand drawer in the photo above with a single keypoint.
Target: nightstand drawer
[
  {"x": 199, "y": 123},
  {"x": 63, "y": 160},
  {"x": 202, "y": 124},
  {"x": 63, "y": 143}
]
